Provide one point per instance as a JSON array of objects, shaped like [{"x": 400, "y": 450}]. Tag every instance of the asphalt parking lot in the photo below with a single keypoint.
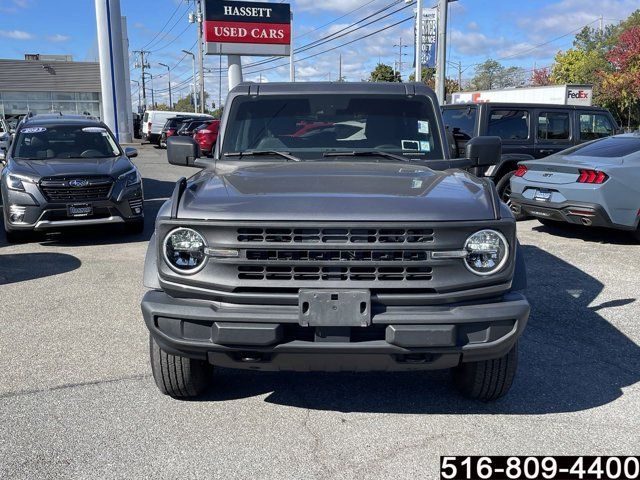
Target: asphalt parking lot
[{"x": 77, "y": 398}]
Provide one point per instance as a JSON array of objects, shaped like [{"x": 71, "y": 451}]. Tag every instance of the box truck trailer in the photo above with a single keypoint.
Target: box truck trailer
[{"x": 552, "y": 95}]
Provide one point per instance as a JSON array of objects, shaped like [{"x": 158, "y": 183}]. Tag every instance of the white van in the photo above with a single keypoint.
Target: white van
[{"x": 154, "y": 120}]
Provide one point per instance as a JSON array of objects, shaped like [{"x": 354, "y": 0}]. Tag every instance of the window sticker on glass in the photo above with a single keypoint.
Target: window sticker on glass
[
  {"x": 410, "y": 145},
  {"x": 423, "y": 126},
  {"x": 33, "y": 130},
  {"x": 425, "y": 146},
  {"x": 94, "y": 130}
]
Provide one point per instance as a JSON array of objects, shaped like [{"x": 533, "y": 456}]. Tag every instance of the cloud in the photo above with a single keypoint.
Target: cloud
[
  {"x": 341, "y": 6},
  {"x": 16, "y": 35},
  {"x": 476, "y": 43},
  {"x": 58, "y": 38}
]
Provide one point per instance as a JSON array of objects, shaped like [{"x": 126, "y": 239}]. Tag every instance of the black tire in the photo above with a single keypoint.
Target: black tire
[
  {"x": 504, "y": 191},
  {"x": 487, "y": 380},
  {"x": 179, "y": 377},
  {"x": 134, "y": 228},
  {"x": 636, "y": 234}
]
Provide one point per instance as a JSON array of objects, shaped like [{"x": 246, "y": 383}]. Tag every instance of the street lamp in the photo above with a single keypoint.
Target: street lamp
[
  {"x": 168, "y": 73},
  {"x": 193, "y": 58}
]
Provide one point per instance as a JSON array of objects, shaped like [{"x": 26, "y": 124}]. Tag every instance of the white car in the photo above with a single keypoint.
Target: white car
[{"x": 154, "y": 120}]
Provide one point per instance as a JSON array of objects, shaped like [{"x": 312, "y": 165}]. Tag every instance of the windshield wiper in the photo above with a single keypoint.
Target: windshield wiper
[
  {"x": 248, "y": 153},
  {"x": 368, "y": 153}
]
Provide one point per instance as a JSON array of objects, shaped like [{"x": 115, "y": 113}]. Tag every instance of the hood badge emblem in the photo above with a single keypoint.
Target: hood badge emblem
[{"x": 78, "y": 183}]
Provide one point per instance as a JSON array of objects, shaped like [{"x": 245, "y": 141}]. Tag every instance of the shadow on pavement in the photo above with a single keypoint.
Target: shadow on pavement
[
  {"x": 588, "y": 234},
  {"x": 571, "y": 359},
  {"x": 21, "y": 267}
]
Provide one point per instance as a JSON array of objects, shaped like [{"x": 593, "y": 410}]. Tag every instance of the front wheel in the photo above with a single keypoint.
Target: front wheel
[
  {"x": 178, "y": 377},
  {"x": 504, "y": 190},
  {"x": 487, "y": 380}
]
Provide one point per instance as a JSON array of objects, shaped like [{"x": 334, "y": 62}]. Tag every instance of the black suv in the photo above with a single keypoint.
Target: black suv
[
  {"x": 527, "y": 132},
  {"x": 68, "y": 170},
  {"x": 355, "y": 248}
]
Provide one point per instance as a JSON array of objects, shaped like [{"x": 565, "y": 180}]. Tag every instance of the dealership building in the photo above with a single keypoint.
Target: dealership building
[{"x": 49, "y": 83}]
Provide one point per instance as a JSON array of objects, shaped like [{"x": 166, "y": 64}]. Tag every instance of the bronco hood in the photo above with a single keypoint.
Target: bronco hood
[{"x": 338, "y": 191}]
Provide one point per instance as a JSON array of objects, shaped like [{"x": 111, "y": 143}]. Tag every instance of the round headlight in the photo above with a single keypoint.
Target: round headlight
[
  {"x": 184, "y": 250},
  {"x": 487, "y": 252}
]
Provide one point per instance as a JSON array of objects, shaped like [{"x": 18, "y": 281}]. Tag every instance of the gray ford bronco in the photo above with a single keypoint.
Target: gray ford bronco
[{"x": 332, "y": 231}]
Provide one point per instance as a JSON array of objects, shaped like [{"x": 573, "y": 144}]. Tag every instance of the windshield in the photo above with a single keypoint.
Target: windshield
[
  {"x": 311, "y": 125},
  {"x": 69, "y": 141}
]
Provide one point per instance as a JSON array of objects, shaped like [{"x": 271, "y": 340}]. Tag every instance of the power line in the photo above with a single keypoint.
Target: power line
[
  {"x": 170, "y": 42},
  {"x": 334, "y": 20},
  {"x": 165, "y": 25},
  {"x": 336, "y": 47},
  {"x": 164, "y": 36}
]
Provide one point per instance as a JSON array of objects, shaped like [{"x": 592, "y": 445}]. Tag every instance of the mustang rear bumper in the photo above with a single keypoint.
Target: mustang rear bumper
[{"x": 272, "y": 338}]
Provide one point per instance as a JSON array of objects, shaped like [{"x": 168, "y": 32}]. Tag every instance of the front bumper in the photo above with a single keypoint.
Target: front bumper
[
  {"x": 269, "y": 337},
  {"x": 578, "y": 213},
  {"x": 125, "y": 204}
]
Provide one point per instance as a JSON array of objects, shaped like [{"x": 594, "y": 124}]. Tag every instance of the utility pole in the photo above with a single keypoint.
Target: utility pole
[
  {"x": 340, "y": 68},
  {"x": 441, "y": 60},
  {"x": 153, "y": 99},
  {"x": 168, "y": 73},
  {"x": 139, "y": 93},
  {"x": 400, "y": 46},
  {"x": 142, "y": 65},
  {"x": 292, "y": 67},
  {"x": 418, "y": 52},
  {"x": 220, "y": 81},
  {"x": 601, "y": 24},
  {"x": 200, "y": 25}
]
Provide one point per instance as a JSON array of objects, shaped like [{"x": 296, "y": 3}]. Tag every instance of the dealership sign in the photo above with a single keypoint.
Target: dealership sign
[
  {"x": 247, "y": 28},
  {"x": 429, "y": 37}
]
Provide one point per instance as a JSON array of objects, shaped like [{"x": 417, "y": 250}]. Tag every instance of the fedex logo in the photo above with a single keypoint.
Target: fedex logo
[{"x": 580, "y": 94}]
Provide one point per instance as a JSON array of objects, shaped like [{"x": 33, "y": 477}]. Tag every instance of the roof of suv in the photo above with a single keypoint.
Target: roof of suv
[
  {"x": 57, "y": 119},
  {"x": 381, "y": 88},
  {"x": 523, "y": 105}
]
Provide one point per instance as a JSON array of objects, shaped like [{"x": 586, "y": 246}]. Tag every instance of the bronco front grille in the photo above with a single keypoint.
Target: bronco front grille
[
  {"x": 335, "y": 255},
  {"x": 334, "y": 273},
  {"x": 335, "y": 235},
  {"x": 62, "y": 189}
]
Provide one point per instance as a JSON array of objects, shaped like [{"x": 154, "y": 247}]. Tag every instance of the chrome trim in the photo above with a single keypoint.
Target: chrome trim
[
  {"x": 72, "y": 223},
  {"x": 450, "y": 254}
]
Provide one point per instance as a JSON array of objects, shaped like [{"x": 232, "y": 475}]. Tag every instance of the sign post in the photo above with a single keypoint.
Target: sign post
[{"x": 236, "y": 28}]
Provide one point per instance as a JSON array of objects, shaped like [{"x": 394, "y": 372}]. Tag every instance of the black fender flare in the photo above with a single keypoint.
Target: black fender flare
[
  {"x": 519, "y": 282},
  {"x": 150, "y": 277}
]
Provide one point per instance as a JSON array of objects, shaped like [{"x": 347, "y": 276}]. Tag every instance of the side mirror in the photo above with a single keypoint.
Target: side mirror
[
  {"x": 131, "y": 152},
  {"x": 484, "y": 151},
  {"x": 183, "y": 151}
]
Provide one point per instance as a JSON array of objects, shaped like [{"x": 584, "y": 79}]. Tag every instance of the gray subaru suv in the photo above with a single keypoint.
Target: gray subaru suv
[
  {"x": 68, "y": 170},
  {"x": 331, "y": 231}
]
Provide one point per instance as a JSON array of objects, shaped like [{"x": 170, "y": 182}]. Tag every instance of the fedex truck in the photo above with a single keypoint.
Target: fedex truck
[{"x": 552, "y": 95}]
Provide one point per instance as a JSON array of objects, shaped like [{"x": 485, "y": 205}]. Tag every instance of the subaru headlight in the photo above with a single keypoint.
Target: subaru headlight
[
  {"x": 132, "y": 177},
  {"x": 16, "y": 182},
  {"x": 184, "y": 250},
  {"x": 487, "y": 252}
]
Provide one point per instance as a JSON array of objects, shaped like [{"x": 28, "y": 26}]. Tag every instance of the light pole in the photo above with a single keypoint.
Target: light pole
[
  {"x": 168, "y": 73},
  {"x": 193, "y": 59},
  {"x": 139, "y": 99}
]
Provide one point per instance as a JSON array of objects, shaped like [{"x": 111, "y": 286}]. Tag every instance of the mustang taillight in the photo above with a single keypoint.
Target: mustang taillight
[
  {"x": 521, "y": 171},
  {"x": 592, "y": 176}
]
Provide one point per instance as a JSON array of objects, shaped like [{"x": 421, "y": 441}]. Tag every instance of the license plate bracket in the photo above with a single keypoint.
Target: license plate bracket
[
  {"x": 325, "y": 308},
  {"x": 79, "y": 210},
  {"x": 543, "y": 195}
]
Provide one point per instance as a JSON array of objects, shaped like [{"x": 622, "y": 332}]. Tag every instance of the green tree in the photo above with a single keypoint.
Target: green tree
[
  {"x": 384, "y": 73},
  {"x": 491, "y": 74},
  {"x": 185, "y": 104},
  {"x": 428, "y": 75},
  {"x": 429, "y": 78}
]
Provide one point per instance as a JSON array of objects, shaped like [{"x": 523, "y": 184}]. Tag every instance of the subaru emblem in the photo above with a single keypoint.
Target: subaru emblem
[{"x": 78, "y": 183}]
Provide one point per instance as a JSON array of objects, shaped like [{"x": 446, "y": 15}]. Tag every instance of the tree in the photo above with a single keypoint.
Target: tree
[
  {"x": 384, "y": 73},
  {"x": 622, "y": 84},
  {"x": 491, "y": 74},
  {"x": 541, "y": 77},
  {"x": 429, "y": 77},
  {"x": 185, "y": 104}
]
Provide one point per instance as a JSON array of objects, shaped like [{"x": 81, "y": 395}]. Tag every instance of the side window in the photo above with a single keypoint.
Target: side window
[
  {"x": 461, "y": 121},
  {"x": 553, "y": 126},
  {"x": 594, "y": 125},
  {"x": 509, "y": 124}
]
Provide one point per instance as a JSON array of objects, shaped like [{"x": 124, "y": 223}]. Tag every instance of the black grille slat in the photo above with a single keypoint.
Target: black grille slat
[
  {"x": 345, "y": 236},
  {"x": 59, "y": 189},
  {"x": 333, "y": 273}
]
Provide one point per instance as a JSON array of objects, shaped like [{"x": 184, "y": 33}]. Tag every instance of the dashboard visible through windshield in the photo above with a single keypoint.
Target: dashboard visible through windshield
[
  {"x": 64, "y": 142},
  {"x": 309, "y": 126}
]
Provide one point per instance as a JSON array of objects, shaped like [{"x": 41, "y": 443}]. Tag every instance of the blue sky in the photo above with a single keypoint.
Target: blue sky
[{"x": 521, "y": 33}]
